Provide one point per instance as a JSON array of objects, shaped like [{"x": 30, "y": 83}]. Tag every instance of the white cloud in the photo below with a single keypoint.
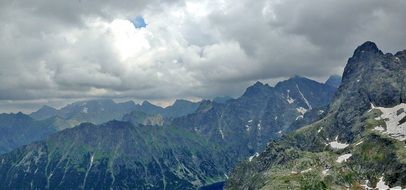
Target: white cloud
[{"x": 190, "y": 48}]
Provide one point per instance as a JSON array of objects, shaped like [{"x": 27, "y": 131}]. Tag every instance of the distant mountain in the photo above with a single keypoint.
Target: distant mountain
[
  {"x": 100, "y": 111},
  {"x": 95, "y": 111},
  {"x": 137, "y": 117},
  {"x": 334, "y": 81},
  {"x": 177, "y": 109},
  {"x": 149, "y": 108},
  {"x": 180, "y": 108},
  {"x": 20, "y": 129},
  {"x": 222, "y": 99},
  {"x": 59, "y": 123},
  {"x": 245, "y": 125},
  {"x": 115, "y": 155},
  {"x": 44, "y": 112},
  {"x": 148, "y": 152},
  {"x": 358, "y": 144},
  {"x": 309, "y": 93}
]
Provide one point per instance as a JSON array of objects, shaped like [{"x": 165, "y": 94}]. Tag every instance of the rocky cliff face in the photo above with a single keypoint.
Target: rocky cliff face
[
  {"x": 355, "y": 145},
  {"x": 245, "y": 125}
]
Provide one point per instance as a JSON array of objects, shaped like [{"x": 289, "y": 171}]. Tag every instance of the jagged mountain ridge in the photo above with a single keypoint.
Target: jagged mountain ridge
[
  {"x": 100, "y": 111},
  {"x": 350, "y": 147},
  {"x": 21, "y": 129},
  {"x": 62, "y": 151},
  {"x": 263, "y": 112}
]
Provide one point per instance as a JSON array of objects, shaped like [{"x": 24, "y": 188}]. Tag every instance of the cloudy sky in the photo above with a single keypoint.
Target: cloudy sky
[{"x": 57, "y": 51}]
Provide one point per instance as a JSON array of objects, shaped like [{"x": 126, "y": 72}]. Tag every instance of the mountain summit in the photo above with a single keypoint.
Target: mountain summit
[{"x": 358, "y": 143}]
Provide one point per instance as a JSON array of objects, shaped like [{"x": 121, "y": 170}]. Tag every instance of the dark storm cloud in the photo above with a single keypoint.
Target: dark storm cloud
[{"x": 67, "y": 50}]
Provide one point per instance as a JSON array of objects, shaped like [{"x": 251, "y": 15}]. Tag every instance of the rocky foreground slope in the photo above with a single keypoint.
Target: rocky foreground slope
[{"x": 359, "y": 144}]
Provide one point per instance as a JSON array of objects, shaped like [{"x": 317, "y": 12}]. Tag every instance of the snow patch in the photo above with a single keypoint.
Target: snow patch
[
  {"x": 318, "y": 131},
  {"x": 307, "y": 102},
  {"x": 259, "y": 125},
  {"x": 247, "y": 128},
  {"x": 343, "y": 158},
  {"x": 301, "y": 110},
  {"x": 366, "y": 185},
  {"x": 85, "y": 110},
  {"x": 358, "y": 143},
  {"x": 324, "y": 172},
  {"x": 397, "y": 59},
  {"x": 320, "y": 112},
  {"x": 372, "y": 107},
  {"x": 379, "y": 128},
  {"x": 299, "y": 117},
  {"x": 288, "y": 98},
  {"x": 392, "y": 117},
  {"x": 88, "y": 170},
  {"x": 381, "y": 184},
  {"x": 221, "y": 133},
  {"x": 337, "y": 145},
  {"x": 253, "y": 156},
  {"x": 307, "y": 170},
  {"x": 249, "y": 121}
]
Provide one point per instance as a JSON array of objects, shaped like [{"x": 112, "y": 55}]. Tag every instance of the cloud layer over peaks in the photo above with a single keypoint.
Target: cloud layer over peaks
[{"x": 161, "y": 50}]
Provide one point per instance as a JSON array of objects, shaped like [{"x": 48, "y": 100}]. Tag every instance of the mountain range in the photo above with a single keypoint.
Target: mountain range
[
  {"x": 103, "y": 110},
  {"x": 358, "y": 144},
  {"x": 245, "y": 125},
  {"x": 166, "y": 148}
]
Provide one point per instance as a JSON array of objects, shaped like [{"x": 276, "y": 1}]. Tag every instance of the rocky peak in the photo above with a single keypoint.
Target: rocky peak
[
  {"x": 256, "y": 89},
  {"x": 147, "y": 103},
  {"x": 47, "y": 108},
  {"x": 369, "y": 77},
  {"x": 365, "y": 58},
  {"x": 181, "y": 102},
  {"x": 367, "y": 47},
  {"x": 401, "y": 55}
]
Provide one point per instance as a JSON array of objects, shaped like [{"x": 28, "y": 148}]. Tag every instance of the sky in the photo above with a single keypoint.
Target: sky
[{"x": 55, "y": 51}]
